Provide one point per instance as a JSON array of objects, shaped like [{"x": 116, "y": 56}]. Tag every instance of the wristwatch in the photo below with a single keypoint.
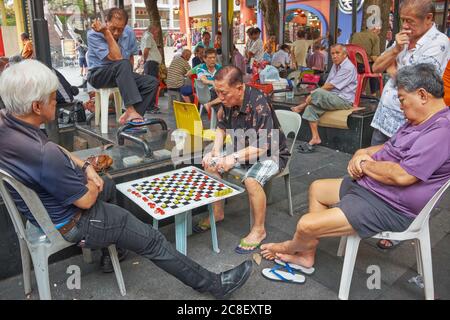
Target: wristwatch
[{"x": 85, "y": 165}]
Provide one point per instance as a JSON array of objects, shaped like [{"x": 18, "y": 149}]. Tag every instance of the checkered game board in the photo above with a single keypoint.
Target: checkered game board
[{"x": 177, "y": 191}]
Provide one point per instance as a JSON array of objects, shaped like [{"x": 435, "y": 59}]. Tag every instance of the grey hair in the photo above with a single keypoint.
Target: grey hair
[
  {"x": 26, "y": 82},
  {"x": 421, "y": 7},
  {"x": 422, "y": 75},
  {"x": 344, "y": 48}
]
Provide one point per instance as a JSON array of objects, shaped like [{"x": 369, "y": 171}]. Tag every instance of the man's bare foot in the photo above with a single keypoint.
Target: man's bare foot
[
  {"x": 128, "y": 116},
  {"x": 269, "y": 250},
  {"x": 302, "y": 259},
  {"x": 315, "y": 141},
  {"x": 299, "y": 108}
]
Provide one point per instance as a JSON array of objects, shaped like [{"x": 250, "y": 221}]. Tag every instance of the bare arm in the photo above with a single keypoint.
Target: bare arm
[
  {"x": 145, "y": 53},
  {"x": 89, "y": 198},
  {"x": 388, "y": 173},
  {"x": 328, "y": 86},
  {"x": 205, "y": 80},
  {"x": 114, "y": 50},
  {"x": 388, "y": 58}
]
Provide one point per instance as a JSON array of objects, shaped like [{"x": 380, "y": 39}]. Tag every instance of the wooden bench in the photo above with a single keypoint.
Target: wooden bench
[{"x": 343, "y": 130}]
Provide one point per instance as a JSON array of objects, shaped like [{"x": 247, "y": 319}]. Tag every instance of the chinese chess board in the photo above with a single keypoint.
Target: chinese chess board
[{"x": 177, "y": 191}]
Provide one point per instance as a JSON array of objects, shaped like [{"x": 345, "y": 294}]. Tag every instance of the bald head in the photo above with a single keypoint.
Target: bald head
[
  {"x": 186, "y": 54},
  {"x": 231, "y": 75}
]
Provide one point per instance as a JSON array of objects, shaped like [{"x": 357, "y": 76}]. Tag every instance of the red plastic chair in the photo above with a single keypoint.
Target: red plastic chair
[
  {"x": 354, "y": 50},
  {"x": 193, "y": 77},
  {"x": 162, "y": 85}
]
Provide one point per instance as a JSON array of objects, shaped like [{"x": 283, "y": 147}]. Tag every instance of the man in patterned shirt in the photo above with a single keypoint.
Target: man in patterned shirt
[{"x": 259, "y": 147}]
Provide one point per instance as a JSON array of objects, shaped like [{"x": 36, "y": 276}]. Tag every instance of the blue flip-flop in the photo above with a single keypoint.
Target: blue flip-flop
[
  {"x": 288, "y": 276},
  {"x": 139, "y": 123}
]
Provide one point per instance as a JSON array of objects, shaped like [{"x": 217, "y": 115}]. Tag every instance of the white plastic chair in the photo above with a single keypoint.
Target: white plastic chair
[
  {"x": 41, "y": 242},
  {"x": 418, "y": 231},
  {"x": 101, "y": 106},
  {"x": 290, "y": 122}
]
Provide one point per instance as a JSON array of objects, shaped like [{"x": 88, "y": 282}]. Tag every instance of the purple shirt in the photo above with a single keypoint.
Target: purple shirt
[
  {"x": 344, "y": 79},
  {"x": 424, "y": 152}
]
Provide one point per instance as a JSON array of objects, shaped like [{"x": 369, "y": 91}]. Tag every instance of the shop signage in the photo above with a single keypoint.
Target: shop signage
[{"x": 346, "y": 6}]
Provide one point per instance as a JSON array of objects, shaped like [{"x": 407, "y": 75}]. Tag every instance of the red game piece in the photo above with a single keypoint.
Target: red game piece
[
  {"x": 151, "y": 205},
  {"x": 144, "y": 199}
]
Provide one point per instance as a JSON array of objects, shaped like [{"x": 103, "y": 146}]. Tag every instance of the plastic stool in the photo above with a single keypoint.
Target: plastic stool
[{"x": 101, "y": 106}]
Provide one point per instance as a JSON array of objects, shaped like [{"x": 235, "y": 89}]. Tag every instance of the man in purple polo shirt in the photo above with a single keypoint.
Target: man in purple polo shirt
[
  {"x": 389, "y": 184},
  {"x": 337, "y": 93}
]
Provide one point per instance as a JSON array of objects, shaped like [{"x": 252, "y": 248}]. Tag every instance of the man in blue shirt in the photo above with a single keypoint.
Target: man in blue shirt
[{"x": 112, "y": 47}]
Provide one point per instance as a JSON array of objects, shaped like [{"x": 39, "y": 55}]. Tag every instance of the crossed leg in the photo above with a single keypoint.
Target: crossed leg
[{"x": 319, "y": 222}]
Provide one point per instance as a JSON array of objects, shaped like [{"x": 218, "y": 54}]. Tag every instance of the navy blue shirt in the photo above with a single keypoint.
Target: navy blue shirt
[{"x": 28, "y": 156}]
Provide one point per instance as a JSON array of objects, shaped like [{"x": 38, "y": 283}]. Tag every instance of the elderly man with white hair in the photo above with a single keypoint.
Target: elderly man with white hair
[{"x": 72, "y": 192}]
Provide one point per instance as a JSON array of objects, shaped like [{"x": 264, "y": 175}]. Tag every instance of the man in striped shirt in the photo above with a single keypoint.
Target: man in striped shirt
[{"x": 178, "y": 70}]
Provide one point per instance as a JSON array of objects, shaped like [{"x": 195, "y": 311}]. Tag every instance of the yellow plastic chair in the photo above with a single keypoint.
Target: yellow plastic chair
[{"x": 188, "y": 118}]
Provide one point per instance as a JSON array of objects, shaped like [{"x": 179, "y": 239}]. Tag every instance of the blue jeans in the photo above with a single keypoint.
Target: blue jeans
[{"x": 106, "y": 223}]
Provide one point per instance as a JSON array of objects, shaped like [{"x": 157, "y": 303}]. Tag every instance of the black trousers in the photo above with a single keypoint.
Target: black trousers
[
  {"x": 151, "y": 68},
  {"x": 105, "y": 224},
  {"x": 136, "y": 90}
]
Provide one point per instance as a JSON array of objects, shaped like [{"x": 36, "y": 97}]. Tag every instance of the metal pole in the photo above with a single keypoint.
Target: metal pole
[
  {"x": 354, "y": 16},
  {"x": 333, "y": 28},
  {"x": 445, "y": 17},
  {"x": 215, "y": 21},
  {"x": 39, "y": 29},
  {"x": 396, "y": 18},
  {"x": 282, "y": 19},
  {"x": 226, "y": 35},
  {"x": 333, "y": 21}
]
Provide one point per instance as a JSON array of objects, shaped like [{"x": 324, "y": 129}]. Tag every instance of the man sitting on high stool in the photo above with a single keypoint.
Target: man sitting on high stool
[{"x": 110, "y": 60}]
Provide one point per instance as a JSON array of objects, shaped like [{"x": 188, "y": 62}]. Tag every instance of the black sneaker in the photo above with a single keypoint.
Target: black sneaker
[
  {"x": 105, "y": 260},
  {"x": 232, "y": 280}
]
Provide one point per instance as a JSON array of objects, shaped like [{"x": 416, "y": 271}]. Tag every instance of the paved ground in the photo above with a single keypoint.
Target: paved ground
[{"x": 145, "y": 281}]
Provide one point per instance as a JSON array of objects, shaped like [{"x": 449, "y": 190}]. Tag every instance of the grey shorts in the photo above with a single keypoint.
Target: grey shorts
[{"x": 367, "y": 213}]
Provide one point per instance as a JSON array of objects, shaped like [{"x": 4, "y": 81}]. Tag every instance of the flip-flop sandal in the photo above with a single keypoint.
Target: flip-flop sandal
[
  {"x": 136, "y": 130},
  {"x": 306, "y": 148},
  {"x": 288, "y": 276},
  {"x": 242, "y": 245},
  {"x": 393, "y": 243},
  {"x": 138, "y": 121},
  {"x": 296, "y": 267}
]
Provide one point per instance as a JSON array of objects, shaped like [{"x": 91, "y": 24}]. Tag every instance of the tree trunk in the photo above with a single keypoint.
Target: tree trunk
[
  {"x": 271, "y": 14},
  {"x": 377, "y": 12},
  {"x": 155, "y": 20}
]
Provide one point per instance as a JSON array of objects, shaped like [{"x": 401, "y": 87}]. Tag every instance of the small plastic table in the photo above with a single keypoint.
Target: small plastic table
[{"x": 176, "y": 193}]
